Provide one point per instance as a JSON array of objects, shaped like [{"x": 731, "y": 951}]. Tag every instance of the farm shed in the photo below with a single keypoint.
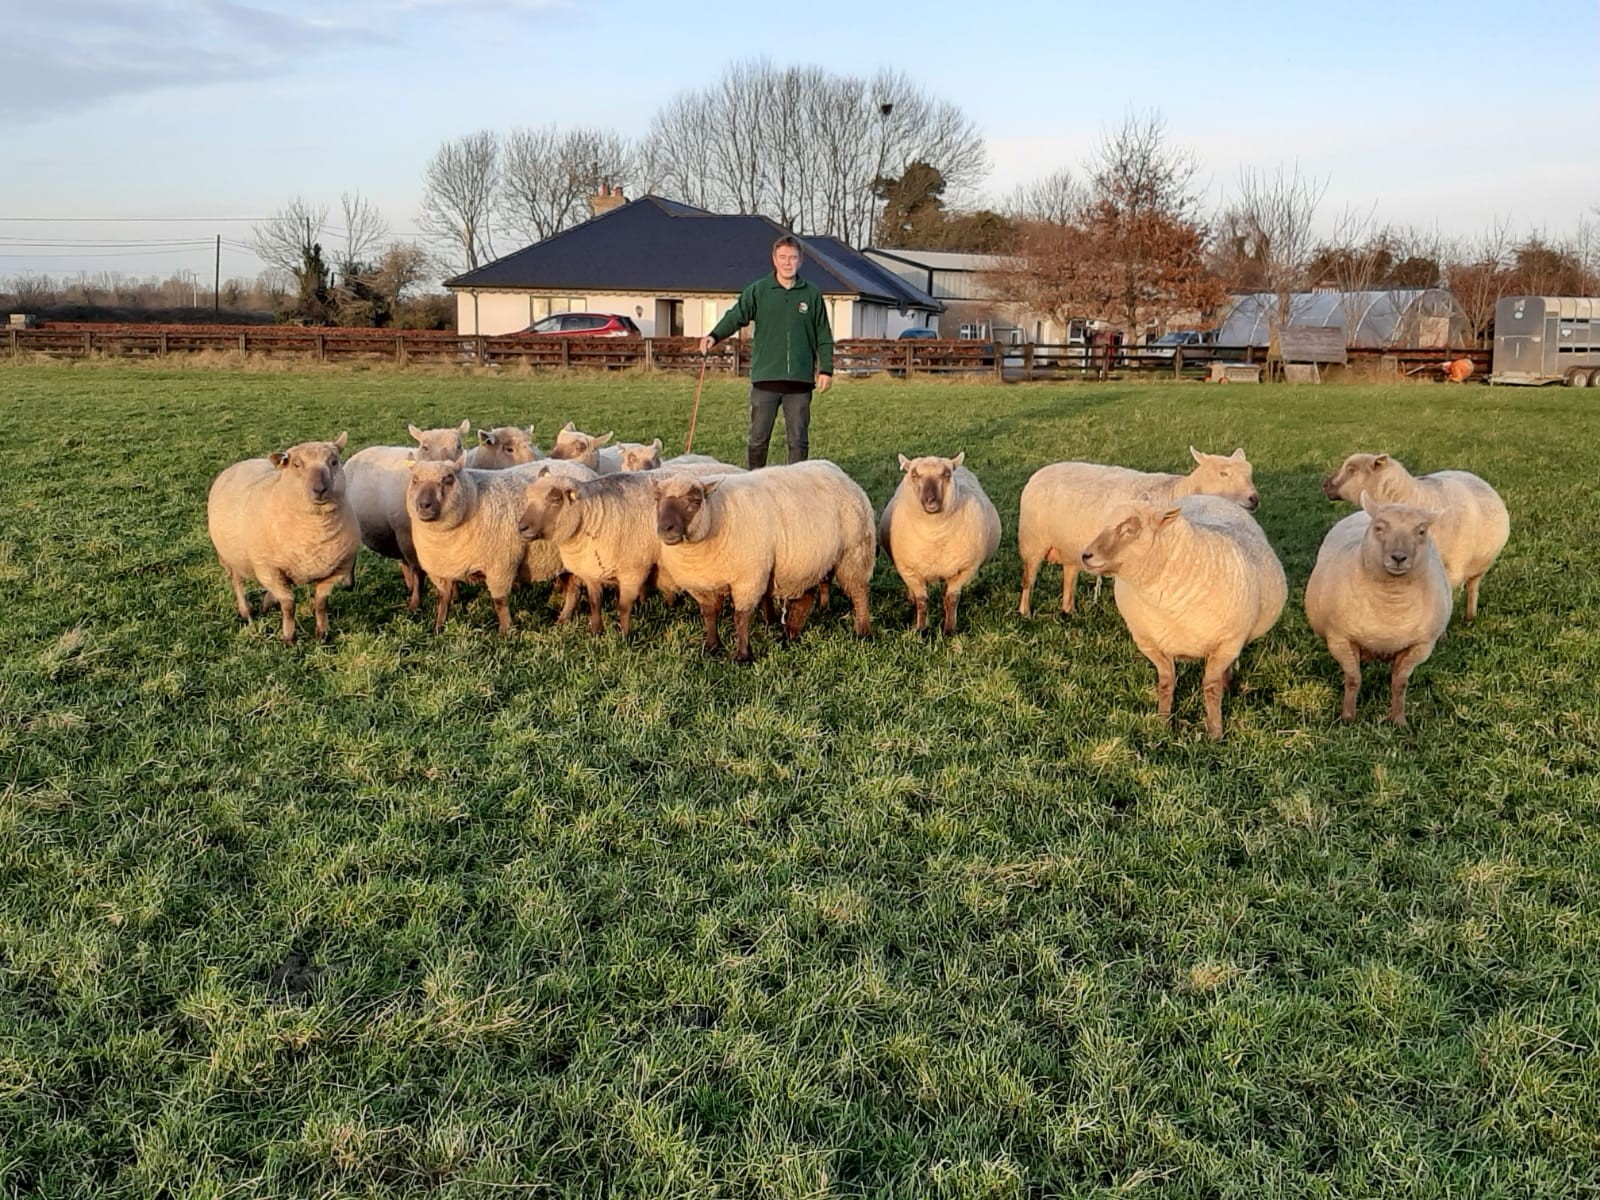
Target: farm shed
[
  {"x": 676, "y": 269},
  {"x": 1422, "y": 317}
]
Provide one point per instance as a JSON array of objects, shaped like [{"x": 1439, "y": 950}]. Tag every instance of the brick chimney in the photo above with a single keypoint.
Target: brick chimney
[{"x": 606, "y": 199}]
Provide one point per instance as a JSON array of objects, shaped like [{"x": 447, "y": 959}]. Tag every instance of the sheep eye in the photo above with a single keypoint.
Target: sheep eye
[
  {"x": 1381, "y": 527},
  {"x": 1225, "y": 474}
]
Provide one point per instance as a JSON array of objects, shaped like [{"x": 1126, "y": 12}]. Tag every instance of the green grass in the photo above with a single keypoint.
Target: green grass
[{"x": 559, "y": 916}]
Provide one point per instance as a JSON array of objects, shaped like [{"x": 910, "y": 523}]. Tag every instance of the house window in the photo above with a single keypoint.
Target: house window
[
  {"x": 710, "y": 313},
  {"x": 977, "y": 329},
  {"x": 540, "y": 307}
]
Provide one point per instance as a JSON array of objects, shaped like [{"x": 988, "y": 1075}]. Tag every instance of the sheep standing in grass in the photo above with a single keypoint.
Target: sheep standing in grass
[
  {"x": 502, "y": 447},
  {"x": 464, "y": 525},
  {"x": 1064, "y": 505},
  {"x": 1197, "y": 580},
  {"x": 605, "y": 533},
  {"x": 377, "y": 480},
  {"x": 286, "y": 520},
  {"x": 1473, "y": 524},
  {"x": 776, "y": 533},
  {"x": 573, "y": 445},
  {"x": 1379, "y": 591},
  {"x": 939, "y": 524}
]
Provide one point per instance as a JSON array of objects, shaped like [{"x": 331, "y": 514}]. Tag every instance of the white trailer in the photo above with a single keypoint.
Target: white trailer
[{"x": 1547, "y": 339}]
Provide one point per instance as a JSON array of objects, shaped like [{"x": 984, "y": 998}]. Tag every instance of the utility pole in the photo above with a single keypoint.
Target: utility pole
[{"x": 216, "y": 286}]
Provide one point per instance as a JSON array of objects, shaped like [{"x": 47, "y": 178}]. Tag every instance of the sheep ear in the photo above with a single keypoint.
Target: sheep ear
[
  {"x": 414, "y": 432},
  {"x": 343, "y": 440},
  {"x": 279, "y": 459},
  {"x": 465, "y": 426},
  {"x": 460, "y": 462},
  {"x": 1368, "y": 504},
  {"x": 1167, "y": 517},
  {"x": 569, "y": 427},
  {"x": 959, "y": 459},
  {"x": 1238, "y": 454},
  {"x": 604, "y": 438},
  {"x": 543, "y": 471},
  {"x": 1196, "y": 455},
  {"x": 1380, "y": 460},
  {"x": 656, "y": 445},
  {"x": 572, "y": 495},
  {"x": 710, "y": 485},
  {"x": 904, "y": 462},
  {"x": 486, "y": 437}
]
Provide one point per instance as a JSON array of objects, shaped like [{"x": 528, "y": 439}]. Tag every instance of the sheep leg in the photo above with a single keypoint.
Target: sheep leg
[
  {"x": 413, "y": 579},
  {"x": 1400, "y": 675},
  {"x": 596, "y": 622},
  {"x": 952, "y": 597},
  {"x": 794, "y": 620},
  {"x": 768, "y": 613},
  {"x": 710, "y": 610},
  {"x": 858, "y": 600},
  {"x": 319, "y": 604},
  {"x": 1472, "y": 601},
  {"x": 1348, "y": 655},
  {"x": 281, "y": 591},
  {"x": 627, "y": 596},
  {"x": 502, "y": 611},
  {"x": 1213, "y": 684},
  {"x": 447, "y": 593},
  {"x": 569, "y": 600},
  {"x": 1030, "y": 572},
  {"x": 1069, "y": 584},
  {"x": 917, "y": 594},
  {"x": 823, "y": 592},
  {"x": 240, "y": 602},
  {"x": 741, "y": 634},
  {"x": 1166, "y": 680}
]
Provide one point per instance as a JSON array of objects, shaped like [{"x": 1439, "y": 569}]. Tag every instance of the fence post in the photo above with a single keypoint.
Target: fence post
[
  {"x": 566, "y": 354},
  {"x": 88, "y": 343},
  {"x": 911, "y": 357},
  {"x": 16, "y": 344},
  {"x": 322, "y": 347},
  {"x": 481, "y": 349},
  {"x": 1027, "y": 362},
  {"x": 649, "y": 354},
  {"x": 400, "y": 349},
  {"x": 243, "y": 347},
  {"x": 1177, "y": 362},
  {"x": 161, "y": 345}
]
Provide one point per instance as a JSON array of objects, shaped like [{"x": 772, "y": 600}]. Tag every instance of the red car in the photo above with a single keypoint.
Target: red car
[{"x": 597, "y": 325}]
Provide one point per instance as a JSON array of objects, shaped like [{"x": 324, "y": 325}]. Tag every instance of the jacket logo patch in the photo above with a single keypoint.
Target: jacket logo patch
[{"x": 802, "y": 306}]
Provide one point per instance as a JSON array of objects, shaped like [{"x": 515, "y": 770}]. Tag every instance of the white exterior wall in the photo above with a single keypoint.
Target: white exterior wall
[{"x": 492, "y": 313}]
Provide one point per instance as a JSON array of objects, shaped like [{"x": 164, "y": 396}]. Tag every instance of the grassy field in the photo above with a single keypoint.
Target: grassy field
[{"x": 557, "y": 916}]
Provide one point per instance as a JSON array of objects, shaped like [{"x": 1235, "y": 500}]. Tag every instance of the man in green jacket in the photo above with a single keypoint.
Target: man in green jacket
[{"x": 792, "y": 352}]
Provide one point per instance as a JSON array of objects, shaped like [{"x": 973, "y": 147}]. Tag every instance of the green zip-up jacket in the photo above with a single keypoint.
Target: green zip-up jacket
[{"x": 793, "y": 339}]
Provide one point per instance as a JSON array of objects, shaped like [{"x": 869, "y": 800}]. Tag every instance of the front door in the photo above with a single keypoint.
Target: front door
[{"x": 669, "y": 318}]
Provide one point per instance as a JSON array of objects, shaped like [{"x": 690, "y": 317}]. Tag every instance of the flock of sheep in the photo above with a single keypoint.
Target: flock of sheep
[{"x": 1195, "y": 577}]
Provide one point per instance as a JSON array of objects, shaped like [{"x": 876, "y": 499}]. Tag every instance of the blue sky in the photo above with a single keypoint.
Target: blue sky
[{"x": 1447, "y": 114}]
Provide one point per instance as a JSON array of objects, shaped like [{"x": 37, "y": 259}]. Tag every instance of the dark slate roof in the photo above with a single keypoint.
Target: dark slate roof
[{"x": 657, "y": 245}]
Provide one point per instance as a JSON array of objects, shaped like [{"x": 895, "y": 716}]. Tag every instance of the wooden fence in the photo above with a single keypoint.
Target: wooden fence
[{"x": 911, "y": 356}]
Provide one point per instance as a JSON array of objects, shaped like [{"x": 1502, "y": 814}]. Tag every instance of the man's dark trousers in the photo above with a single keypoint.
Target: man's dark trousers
[{"x": 796, "y": 424}]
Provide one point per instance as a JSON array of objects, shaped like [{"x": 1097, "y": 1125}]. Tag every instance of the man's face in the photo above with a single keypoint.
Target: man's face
[{"x": 785, "y": 262}]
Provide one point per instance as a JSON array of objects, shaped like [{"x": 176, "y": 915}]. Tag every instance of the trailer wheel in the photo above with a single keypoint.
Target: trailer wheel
[
  {"x": 1577, "y": 378},
  {"x": 1594, "y": 379}
]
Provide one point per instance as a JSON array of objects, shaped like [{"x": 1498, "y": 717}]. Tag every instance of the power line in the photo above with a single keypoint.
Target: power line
[{"x": 185, "y": 220}]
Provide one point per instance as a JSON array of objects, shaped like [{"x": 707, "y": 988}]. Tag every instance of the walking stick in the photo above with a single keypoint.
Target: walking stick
[{"x": 688, "y": 442}]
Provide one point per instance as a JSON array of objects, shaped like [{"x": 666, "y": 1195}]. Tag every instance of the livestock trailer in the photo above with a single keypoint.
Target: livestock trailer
[{"x": 1547, "y": 339}]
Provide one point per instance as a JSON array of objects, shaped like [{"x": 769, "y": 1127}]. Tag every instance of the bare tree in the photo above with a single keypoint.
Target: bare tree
[
  {"x": 804, "y": 146},
  {"x": 363, "y": 231},
  {"x": 1478, "y": 273},
  {"x": 286, "y": 239},
  {"x": 1054, "y": 198},
  {"x": 460, "y": 192},
  {"x": 1270, "y": 221},
  {"x": 547, "y": 177}
]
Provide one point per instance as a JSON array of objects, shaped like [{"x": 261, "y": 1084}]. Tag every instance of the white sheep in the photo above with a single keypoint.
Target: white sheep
[
  {"x": 377, "y": 478},
  {"x": 1379, "y": 591},
  {"x": 605, "y": 533},
  {"x": 938, "y": 525},
  {"x": 633, "y": 456},
  {"x": 1473, "y": 524},
  {"x": 1065, "y": 504},
  {"x": 702, "y": 465},
  {"x": 464, "y": 526},
  {"x": 573, "y": 445},
  {"x": 502, "y": 447},
  {"x": 286, "y": 520},
  {"x": 777, "y": 533},
  {"x": 1197, "y": 580}
]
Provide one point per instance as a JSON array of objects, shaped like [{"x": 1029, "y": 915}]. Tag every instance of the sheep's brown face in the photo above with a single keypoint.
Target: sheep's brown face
[
  {"x": 1358, "y": 473},
  {"x": 678, "y": 503},
  {"x": 431, "y": 488},
  {"x": 548, "y": 499},
  {"x": 576, "y": 446},
  {"x": 504, "y": 447},
  {"x": 1126, "y": 539},
  {"x": 318, "y": 468},
  {"x": 1397, "y": 538},
  {"x": 438, "y": 445},
  {"x": 1227, "y": 475}
]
